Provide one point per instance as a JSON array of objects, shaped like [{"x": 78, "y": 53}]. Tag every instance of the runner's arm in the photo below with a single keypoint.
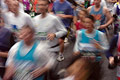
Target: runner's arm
[{"x": 61, "y": 31}]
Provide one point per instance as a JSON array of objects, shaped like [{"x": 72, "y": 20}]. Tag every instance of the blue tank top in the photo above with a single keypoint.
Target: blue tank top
[
  {"x": 86, "y": 39},
  {"x": 29, "y": 55},
  {"x": 98, "y": 15}
]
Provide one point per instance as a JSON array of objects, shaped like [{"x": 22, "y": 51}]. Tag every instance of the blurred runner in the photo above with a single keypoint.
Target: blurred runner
[
  {"x": 90, "y": 44},
  {"x": 6, "y": 42},
  {"x": 63, "y": 9},
  {"x": 15, "y": 19},
  {"x": 79, "y": 70},
  {"x": 49, "y": 28},
  {"x": 101, "y": 14},
  {"x": 28, "y": 59}
]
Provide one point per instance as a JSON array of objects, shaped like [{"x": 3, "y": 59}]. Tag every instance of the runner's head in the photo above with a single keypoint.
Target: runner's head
[
  {"x": 97, "y": 2},
  {"x": 13, "y": 5},
  {"x": 27, "y": 33},
  {"x": 42, "y": 6},
  {"x": 82, "y": 13},
  {"x": 89, "y": 22}
]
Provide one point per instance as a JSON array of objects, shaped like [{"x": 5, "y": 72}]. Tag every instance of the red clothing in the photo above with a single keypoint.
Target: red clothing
[
  {"x": 93, "y": 4},
  {"x": 34, "y": 5},
  {"x": 118, "y": 43},
  {"x": 118, "y": 78},
  {"x": 79, "y": 26},
  {"x": 51, "y": 6}
]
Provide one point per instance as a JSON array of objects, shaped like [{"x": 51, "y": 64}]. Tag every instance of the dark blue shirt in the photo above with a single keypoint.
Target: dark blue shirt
[
  {"x": 6, "y": 39},
  {"x": 6, "y": 42},
  {"x": 63, "y": 8}
]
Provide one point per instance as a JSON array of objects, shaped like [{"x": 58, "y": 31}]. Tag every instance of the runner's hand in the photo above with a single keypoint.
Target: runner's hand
[
  {"x": 102, "y": 27},
  {"x": 51, "y": 36},
  {"x": 96, "y": 44},
  {"x": 111, "y": 60}
]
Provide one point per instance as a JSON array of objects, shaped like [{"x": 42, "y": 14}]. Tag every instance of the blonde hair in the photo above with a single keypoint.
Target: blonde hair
[{"x": 29, "y": 27}]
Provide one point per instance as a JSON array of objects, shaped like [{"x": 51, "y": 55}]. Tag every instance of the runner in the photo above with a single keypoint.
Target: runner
[
  {"x": 64, "y": 11},
  {"x": 100, "y": 14},
  {"x": 6, "y": 42},
  {"x": 80, "y": 23},
  {"x": 49, "y": 26},
  {"x": 28, "y": 59},
  {"x": 89, "y": 45},
  {"x": 14, "y": 18}
]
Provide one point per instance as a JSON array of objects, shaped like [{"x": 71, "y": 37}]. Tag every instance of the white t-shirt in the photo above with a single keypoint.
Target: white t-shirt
[
  {"x": 50, "y": 24},
  {"x": 5, "y": 7},
  {"x": 103, "y": 2},
  {"x": 20, "y": 20},
  {"x": 41, "y": 54}
]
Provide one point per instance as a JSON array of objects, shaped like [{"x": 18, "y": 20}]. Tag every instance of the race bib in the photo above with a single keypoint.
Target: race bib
[
  {"x": 42, "y": 36},
  {"x": 91, "y": 55},
  {"x": 59, "y": 12},
  {"x": 87, "y": 53}
]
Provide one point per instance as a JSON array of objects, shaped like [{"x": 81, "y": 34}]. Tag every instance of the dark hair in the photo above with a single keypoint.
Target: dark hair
[
  {"x": 91, "y": 17},
  {"x": 72, "y": 2}
]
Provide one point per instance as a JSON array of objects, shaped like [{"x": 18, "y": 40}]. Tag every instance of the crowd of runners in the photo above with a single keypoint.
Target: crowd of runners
[{"x": 33, "y": 34}]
